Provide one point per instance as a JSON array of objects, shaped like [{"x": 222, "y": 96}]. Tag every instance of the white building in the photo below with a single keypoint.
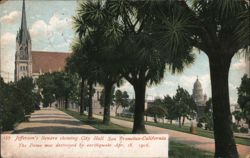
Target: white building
[{"x": 199, "y": 98}]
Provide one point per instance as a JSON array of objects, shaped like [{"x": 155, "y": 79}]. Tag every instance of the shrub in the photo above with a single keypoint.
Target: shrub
[
  {"x": 243, "y": 130},
  {"x": 235, "y": 128},
  {"x": 199, "y": 125}
]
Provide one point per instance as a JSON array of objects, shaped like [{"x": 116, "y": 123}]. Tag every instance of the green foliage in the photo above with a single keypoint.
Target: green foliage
[
  {"x": 208, "y": 115},
  {"x": 102, "y": 97},
  {"x": 121, "y": 99},
  {"x": 169, "y": 104},
  {"x": 58, "y": 85},
  {"x": 243, "y": 130},
  {"x": 157, "y": 109},
  {"x": 244, "y": 98},
  {"x": 28, "y": 98},
  {"x": 184, "y": 104},
  {"x": 16, "y": 100},
  {"x": 238, "y": 115}
]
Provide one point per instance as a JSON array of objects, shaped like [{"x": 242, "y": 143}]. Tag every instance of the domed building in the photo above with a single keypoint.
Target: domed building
[{"x": 199, "y": 98}]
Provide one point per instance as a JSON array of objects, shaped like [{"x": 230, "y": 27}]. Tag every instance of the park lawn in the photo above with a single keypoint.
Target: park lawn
[
  {"x": 176, "y": 150},
  {"x": 200, "y": 132}
]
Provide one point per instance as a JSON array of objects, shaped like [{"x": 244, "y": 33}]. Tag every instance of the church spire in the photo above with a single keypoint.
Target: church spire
[
  {"x": 24, "y": 23},
  {"x": 23, "y": 35}
]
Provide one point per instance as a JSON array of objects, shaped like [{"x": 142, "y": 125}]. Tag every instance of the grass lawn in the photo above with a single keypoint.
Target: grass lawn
[
  {"x": 200, "y": 132},
  {"x": 176, "y": 150}
]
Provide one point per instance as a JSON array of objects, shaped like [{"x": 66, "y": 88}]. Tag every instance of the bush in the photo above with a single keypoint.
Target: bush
[
  {"x": 17, "y": 99},
  {"x": 235, "y": 128},
  {"x": 199, "y": 125},
  {"x": 243, "y": 130}
]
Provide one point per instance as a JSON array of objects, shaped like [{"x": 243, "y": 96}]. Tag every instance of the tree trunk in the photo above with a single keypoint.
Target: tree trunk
[
  {"x": 116, "y": 109},
  {"x": 183, "y": 120},
  {"x": 107, "y": 99},
  {"x": 81, "y": 97},
  {"x": 171, "y": 121},
  {"x": 90, "y": 113},
  {"x": 155, "y": 118},
  {"x": 179, "y": 121},
  {"x": 66, "y": 102},
  {"x": 139, "y": 125},
  {"x": 224, "y": 139}
]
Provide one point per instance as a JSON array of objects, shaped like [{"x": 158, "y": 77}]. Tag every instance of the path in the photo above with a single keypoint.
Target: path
[
  {"x": 198, "y": 142},
  {"x": 53, "y": 121}
]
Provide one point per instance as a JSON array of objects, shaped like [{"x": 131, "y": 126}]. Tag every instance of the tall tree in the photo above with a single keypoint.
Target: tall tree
[
  {"x": 157, "y": 109},
  {"x": 169, "y": 105},
  {"x": 92, "y": 21},
  {"x": 185, "y": 106},
  {"x": 244, "y": 98},
  {"x": 121, "y": 100},
  {"x": 143, "y": 63},
  {"x": 220, "y": 29}
]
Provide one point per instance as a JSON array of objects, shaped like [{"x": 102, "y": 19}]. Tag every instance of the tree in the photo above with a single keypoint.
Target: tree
[
  {"x": 24, "y": 88},
  {"x": 238, "y": 115},
  {"x": 156, "y": 111},
  {"x": 91, "y": 22},
  {"x": 57, "y": 85},
  {"x": 185, "y": 106},
  {"x": 244, "y": 98},
  {"x": 12, "y": 110},
  {"x": 219, "y": 29},
  {"x": 208, "y": 115},
  {"x": 121, "y": 99},
  {"x": 47, "y": 87},
  {"x": 82, "y": 64},
  {"x": 17, "y": 100},
  {"x": 143, "y": 63},
  {"x": 169, "y": 105}
]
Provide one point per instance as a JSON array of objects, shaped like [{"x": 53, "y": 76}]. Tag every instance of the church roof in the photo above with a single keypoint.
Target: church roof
[{"x": 48, "y": 61}]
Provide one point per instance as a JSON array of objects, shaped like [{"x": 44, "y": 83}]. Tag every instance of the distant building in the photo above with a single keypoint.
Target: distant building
[
  {"x": 199, "y": 99},
  {"x": 34, "y": 63}
]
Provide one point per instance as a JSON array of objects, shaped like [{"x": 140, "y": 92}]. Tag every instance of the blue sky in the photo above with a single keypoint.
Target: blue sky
[{"x": 50, "y": 26}]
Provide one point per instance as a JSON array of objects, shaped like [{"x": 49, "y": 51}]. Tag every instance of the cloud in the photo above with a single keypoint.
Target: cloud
[
  {"x": 7, "y": 39},
  {"x": 54, "y": 26},
  {"x": 7, "y": 55},
  {"x": 239, "y": 65},
  {"x": 38, "y": 29},
  {"x": 11, "y": 18}
]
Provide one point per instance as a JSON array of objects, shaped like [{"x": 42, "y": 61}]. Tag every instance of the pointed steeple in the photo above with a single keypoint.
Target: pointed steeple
[
  {"x": 24, "y": 23},
  {"x": 23, "y": 34}
]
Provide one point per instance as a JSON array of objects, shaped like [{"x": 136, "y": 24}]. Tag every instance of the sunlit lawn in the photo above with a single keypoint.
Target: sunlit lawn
[
  {"x": 186, "y": 129},
  {"x": 176, "y": 150}
]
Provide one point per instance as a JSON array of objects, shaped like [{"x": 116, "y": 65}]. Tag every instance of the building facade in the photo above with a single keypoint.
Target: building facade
[
  {"x": 29, "y": 63},
  {"x": 34, "y": 63},
  {"x": 23, "y": 57},
  {"x": 200, "y": 99}
]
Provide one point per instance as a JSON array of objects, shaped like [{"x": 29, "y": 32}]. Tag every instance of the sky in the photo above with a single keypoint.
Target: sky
[{"x": 51, "y": 29}]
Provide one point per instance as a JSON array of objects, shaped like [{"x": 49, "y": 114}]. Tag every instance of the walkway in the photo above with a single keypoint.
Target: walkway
[
  {"x": 195, "y": 141},
  {"x": 53, "y": 121}
]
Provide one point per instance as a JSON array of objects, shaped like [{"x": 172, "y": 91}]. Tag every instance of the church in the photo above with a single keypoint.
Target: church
[{"x": 34, "y": 63}]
